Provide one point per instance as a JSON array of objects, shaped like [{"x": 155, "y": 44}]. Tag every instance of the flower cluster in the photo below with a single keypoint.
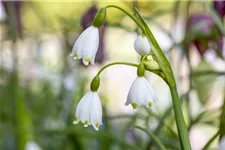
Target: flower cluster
[{"x": 89, "y": 109}]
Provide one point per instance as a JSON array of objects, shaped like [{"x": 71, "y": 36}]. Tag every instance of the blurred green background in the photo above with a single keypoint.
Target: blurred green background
[{"x": 40, "y": 85}]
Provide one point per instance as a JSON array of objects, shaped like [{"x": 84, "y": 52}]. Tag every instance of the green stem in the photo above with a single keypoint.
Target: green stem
[
  {"x": 153, "y": 136},
  {"x": 128, "y": 14},
  {"x": 181, "y": 126},
  {"x": 116, "y": 63},
  {"x": 144, "y": 57},
  {"x": 169, "y": 78},
  {"x": 128, "y": 64}
]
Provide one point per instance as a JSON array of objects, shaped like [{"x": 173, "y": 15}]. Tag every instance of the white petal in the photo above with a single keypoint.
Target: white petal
[
  {"x": 90, "y": 47},
  {"x": 142, "y": 45},
  {"x": 141, "y": 93},
  {"x": 82, "y": 111},
  {"x": 96, "y": 111},
  {"x": 93, "y": 60},
  {"x": 135, "y": 94},
  {"x": 78, "y": 44},
  {"x": 151, "y": 89}
]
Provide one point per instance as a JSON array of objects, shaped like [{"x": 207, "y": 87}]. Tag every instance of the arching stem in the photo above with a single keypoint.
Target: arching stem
[
  {"x": 116, "y": 63},
  {"x": 128, "y": 14}
]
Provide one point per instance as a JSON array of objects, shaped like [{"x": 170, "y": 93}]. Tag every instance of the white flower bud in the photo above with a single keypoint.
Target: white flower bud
[{"x": 142, "y": 45}]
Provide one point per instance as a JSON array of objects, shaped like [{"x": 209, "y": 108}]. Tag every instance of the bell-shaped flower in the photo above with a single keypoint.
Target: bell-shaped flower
[
  {"x": 86, "y": 45},
  {"x": 89, "y": 110},
  {"x": 141, "y": 93},
  {"x": 141, "y": 45}
]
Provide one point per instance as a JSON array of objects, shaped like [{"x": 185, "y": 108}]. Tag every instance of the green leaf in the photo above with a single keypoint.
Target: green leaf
[
  {"x": 203, "y": 83},
  {"x": 153, "y": 136}
]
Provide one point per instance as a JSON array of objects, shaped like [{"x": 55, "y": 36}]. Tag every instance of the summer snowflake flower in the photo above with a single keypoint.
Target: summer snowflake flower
[
  {"x": 89, "y": 110},
  {"x": 141, "y": 45},
  {"x": 86, "y": 45},
  {"x": 141, "y": 93}
]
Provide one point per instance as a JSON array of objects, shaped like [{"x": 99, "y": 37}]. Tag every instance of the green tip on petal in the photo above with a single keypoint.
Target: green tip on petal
[
  {"x": 76, "y": 56},
  {"x": 150, "y": 104},
  {"x": 97, "y": 126},
  {"x": 86, "y": 123},
  {"x": 87, "y": 60},
  {"x": 134, "y": 105},
  {"x": 75, "y": 121}
]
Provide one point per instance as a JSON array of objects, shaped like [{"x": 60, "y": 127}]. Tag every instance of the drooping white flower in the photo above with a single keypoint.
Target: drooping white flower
[
  {"x": 141, "y": 93},
  {"x": 86, "y": 45},
  {"x": 222, "y": 143},
  {"x": 89, "y": 110},
  {"x": 141, "y": 45}
]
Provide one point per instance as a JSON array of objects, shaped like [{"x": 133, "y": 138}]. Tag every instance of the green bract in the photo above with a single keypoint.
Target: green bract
[
  {"x": 151, "y": 65},
  {"x": 95, "y": 84},
  {"x": 141, "y": 70},
  {"x": 99, "y": 18}
]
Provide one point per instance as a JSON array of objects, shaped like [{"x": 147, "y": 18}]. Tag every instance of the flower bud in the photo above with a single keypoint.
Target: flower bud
[
  {"x": 95, "y": 84},
  {"x": 141, "y": 45},
  {"x": 99, "y": 18},
  {"x": 151, "y": 65}
]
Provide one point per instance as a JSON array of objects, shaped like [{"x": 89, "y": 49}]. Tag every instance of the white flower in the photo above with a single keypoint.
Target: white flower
[
  {"x": 89, "y": 110},
  {"x": 141, "y": 93},
  {"x": 222, "y": 143},
  {"x": 32, "y": 145},
  {"x": 142, "y": 45},
  {"x": 86, "y": 45}
]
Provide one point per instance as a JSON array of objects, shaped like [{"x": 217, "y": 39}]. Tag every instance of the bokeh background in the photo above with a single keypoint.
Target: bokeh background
[{"x": 41, "y": 85}]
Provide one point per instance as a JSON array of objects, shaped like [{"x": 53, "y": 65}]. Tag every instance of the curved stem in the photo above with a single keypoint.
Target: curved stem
[
  {"x": 167, "y": 70},
  {"x": 116, "y": 63},
  {"x": 128, "y": 14},
  {"x": 153, "y": 136},
  {"x": 145, "y": 56}
]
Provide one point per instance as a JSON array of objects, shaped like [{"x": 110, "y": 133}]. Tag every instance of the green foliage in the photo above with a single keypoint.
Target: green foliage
[{"x": 203, "y": 84}]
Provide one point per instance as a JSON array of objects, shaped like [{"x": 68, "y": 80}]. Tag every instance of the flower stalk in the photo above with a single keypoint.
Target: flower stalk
[
  {"x": 167, "y": 75},
  {"x": 159, "y": 66},
  {"x": 169, "y": 78}
]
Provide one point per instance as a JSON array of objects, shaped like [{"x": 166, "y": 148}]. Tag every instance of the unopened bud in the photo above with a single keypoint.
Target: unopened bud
[{"x": 151, "y": 65}]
